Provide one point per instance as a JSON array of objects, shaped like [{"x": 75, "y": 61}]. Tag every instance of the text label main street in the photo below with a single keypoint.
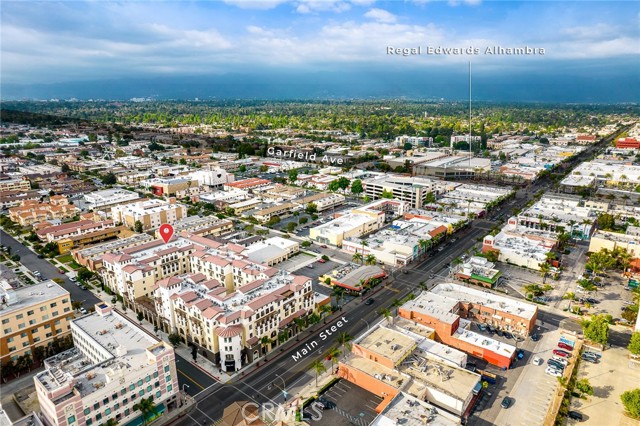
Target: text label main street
[{"x": 314, "y": 343}]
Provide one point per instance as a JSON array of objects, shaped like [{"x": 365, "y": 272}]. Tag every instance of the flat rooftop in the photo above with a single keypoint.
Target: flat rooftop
[
  {"x": 480, "y": 297},
  {"x": 389, "y": 343},
  {"x": 33, "y": 295},
  {"x": 344, "y": 223},
  {"x": 481, "y": 341},
  {"x": 435, "y": 306},
  {"x": 407, "y": 410}
]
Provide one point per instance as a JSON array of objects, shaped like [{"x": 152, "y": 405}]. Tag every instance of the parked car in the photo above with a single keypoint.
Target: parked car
[
  {"x": 592, "y": 300},
  {"x": 563, "y": 345},
  {"x": 535, "y": 337},
  {"x": 508, "y": 335},
  {"x": 324, "y": 246},
  {"x": 575, "y": 415},
  {"x": 82, "y": 287},
  {"x": 555, "y": 364},
  {"x": 73, "y": 279},
  {"x": 590, "y": 359},
  {"x": 561, "y": 360},
  {"x": 519, "y": 353},
  {"x": 500, "y": 333},
  {"x": 310, "y": 266},
  {"x": 471, "y": 366},
  {"x": 83, "y": 311},
  {"x": 561, "y": 353},
  {"x": 369, "y": 302},
  {"x": 482, "y": 327},
  {"x": 553, "y": 372},
  {"x": 506, "y": 402},
  {"x": 537, "y": 361},
  {"x": 594, "y": 354},
  {"x": 491, "y": 328},
  {"x": 322, "y": 261}
]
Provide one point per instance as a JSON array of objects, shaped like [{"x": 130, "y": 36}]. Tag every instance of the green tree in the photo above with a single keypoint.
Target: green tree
[
  {"x": 293, "y": 175},
  {"x": 334, "y": 354},
  {"x": 344, "y": 340},
  {"x": 145, "y": 406},
  {"x": 370, "y": 260},
  {"x": 265, "y": 342},
  {"x": 291, "y": 226},
  {"x": 175, "y": 339},
  {"x": 138, "y": 227},
  {"x": 311, "y": 208},
  {"x": 109, "y": 179},
  {"x": 273, "y": 221},
  {"x": 631, "y": 401},
  {"x": 343, "y": 183},
  {"x": 242, "y": 168},
  {"x": 319, "y": 368},
  {"x": 333, "y": 186},
  {"x": 84, "y": 274},
  {"x": 606, "y": 221},
  {"x": 584, "y": 386},
  {"x": 65, "y": 168},
  {"x": 306, "y": 244},
  {"x": 544, "y": 270},
  {"x": 263, "y": 169},
  {"x": 303, "y": 220},
  {"x": 634, "y": 344},
  {"x": 596, "y": 329},
  {"x": 387, "y": 194},
  {"x": 357, "y": 257},
  {"x": 356, "y": 186}
]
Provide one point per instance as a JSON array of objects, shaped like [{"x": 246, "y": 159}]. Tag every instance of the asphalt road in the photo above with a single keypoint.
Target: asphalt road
[{"x": 32, "y": 262}]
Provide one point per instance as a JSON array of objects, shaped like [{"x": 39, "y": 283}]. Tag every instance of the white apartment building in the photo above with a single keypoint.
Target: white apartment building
[
  {"x": 413, "y": 190},
  {"x": 415, "y": 141},
  {"x": 215, "y": 178},
  {"x": 557, "y": 213},
  {"x": 323, "y": 201},
  {"x": 109, "y": 197},
  {"x": 113, "y": 365},
  {"x": 151, "y": 213}
]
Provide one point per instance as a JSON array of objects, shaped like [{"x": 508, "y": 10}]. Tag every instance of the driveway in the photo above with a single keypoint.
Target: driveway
[
  {"x": 31, "y": 261},
  {"x": 353, "y": 406}
]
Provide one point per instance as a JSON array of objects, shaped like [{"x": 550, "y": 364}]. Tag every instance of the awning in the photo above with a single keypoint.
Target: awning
[{"x": 152, "y": 415}]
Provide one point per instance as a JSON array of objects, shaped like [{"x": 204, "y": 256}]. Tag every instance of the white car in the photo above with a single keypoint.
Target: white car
[
  {"x": 537, "y": 361},
  {"x": 561, "y": 360},
  {"x": 83, "y": 311},
  {"x": 553, "y": 372}
]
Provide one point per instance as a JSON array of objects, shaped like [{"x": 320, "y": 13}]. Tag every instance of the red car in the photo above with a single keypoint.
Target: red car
[
  {"x": 322, "y": 261},
  {"x": 324, "y": 246},
  {"x": 561, "y": 353},
  {"x": 563, "y": 345}
]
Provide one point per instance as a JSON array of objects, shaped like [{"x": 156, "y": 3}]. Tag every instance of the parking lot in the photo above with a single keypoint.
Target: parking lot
[
  {"x": 353, "y": 406},
  {"x": 534, "y": 390},
  {"x": 610, "y": 378}
]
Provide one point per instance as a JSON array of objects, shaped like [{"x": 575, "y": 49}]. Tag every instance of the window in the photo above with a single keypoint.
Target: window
[
  {"x": 47, "y": 326},
  {"x": 87, "y": 411},
  {"x": 140, "y": 382},
  {"x": 147, "y": 379},
  {"x": 21, "y": 326},
  {"x": 115, "y": 407},
  {"x": 126, "y": 412},
  {"x": 48, "y": 335},
  {"x": 132, "y": 387},
  {"x": 169, "y": 388},
  {"x": 29, "y": 313},
  {"x": 123, "y": 391},
  {"x": 157, "y": 384},
  {"x": 45, "y": 317},
  {"x": 166, "y": 368},
  {"x": 5, "y": 321},
  {"x": 155, "y": 374},
  {"x": 98, "y": 416},
  {"x": 34, "y": 330},
  {"x": 149, "y": 388},
  {"x": 71, "y": 419},
  {"x": 96, "y": 405},
  {"x": 53, "y": 305},
  {"x": 107, "y": 411},
  {"x": 167, "y": 379},
  {"x": 31, "y": 322},
  {"x": 7, "y": 330},
  {"x": 158, "y": 394},
  {"x": 43, "y": 308},
  {"x": 89, "y": 422},
  {"x": 19, "y": 316},
  {"x": 124, "y": 401},
  {"x": 141, "y": 392},
  {"x": 54, "y": 313},
  {"x": 10, "y": 339}
]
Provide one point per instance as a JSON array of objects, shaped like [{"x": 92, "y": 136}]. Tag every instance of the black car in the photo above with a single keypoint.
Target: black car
[
  {"x": 508, "y": 335},
  {"x": 535, "y": 337},
  {"x": 500, "y": 333},
  {"x": 506, "y": 402},
  {"x": 369, "y": 301},
  {"x": 556, "y": 364},
  {"x": 575, "y": 415},
  {"x": 592, "y": 300},
  {"x": 471, "y": 366}
]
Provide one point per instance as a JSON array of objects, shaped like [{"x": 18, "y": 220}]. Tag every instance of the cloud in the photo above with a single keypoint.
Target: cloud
[
  {"x": 255, "y": 4},
  {"x": 313, "y": 6},
  {"x": 381, "y": 15},
  {"x": 468, "y": 2}
]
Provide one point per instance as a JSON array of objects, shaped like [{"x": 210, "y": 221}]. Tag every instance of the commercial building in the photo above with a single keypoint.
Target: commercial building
[
  {"x": 560, "y": 213},
  {"x": 450, "y": 308},
  {"x": 205, "y": 226},
  {"x": 91, "y": 257},
  {"x": 213, "y": 177},
  {"x": 521, "y": 245},
  {"x": 113, "y": 366},
  {"x": 109, "y": 197},
  {"x": 167, "y": 187},
  {"x": 323, "y": 201},
  {"x": 415, "y": 191},
  {"x": 629, "y": 242},
  {"x": 477, "y": 270},
  {"x": 357, "y": 222},
  {"x": 282, "y": 192},
  {"x": 32, "y": 316},
  {"x": 279, "y": 210},
  {"x": 628, "y": 143},
  {"x": 151, "y": 213},
  {"x": 247, "y": 184},
  {"x": 390, "y": 360},
  {"x": 353, "y": 277},
  {"x": 453, "y": 167},
  {"x": 14, "y": 185},
  {"x": 608, "y": 173},
  {"x": 14, "y": 198},
  {"x": 407, "y": 410},
  {"x": 400, "y": 244},
  {"x": 32, "y": 211},
  {"x": 272, "y": 251}
]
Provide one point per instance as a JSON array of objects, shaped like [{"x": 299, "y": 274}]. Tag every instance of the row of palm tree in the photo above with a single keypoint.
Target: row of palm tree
[
  {"x": 369, "y": 259},
  {"x": 344, "y": 341}
]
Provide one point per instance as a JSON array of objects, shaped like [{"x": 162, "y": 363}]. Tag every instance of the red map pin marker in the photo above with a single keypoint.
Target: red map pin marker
[{"x": 166, "y": 232}]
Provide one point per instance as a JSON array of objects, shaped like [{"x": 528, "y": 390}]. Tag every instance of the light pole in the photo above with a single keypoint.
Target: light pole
[
  {"x": 284, "y": 387},
  {"x": 184, "y": 393}
]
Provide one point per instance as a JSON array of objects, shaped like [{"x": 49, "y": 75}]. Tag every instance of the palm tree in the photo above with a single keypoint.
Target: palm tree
[
  {"x": 544, "y": 270},
  {"x": 370, "y": 260},
  {"x": 357, "y": 257},
  {"x": 338, "y": 293},
  {"x": 145, "y": 406},
  {"x": 334, "y": 353},
  {"x": 386, "y": 313},
  {"x": 325, "y": 310},
  {"x": 111, "y": 422},
  {"x": 396, "y": 304},
  {"x": 265, "y": 341},
  {"x": 423, "y": 245},
  {"x": 319, "y": 367},
  {"x": 570, "y": 297},
  {"x": 571, "y": 225},
  {"x": 343, "y": 340}
]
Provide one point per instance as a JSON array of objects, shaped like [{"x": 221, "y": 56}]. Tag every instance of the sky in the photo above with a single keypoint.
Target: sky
[{"x": 320, "y": 48}]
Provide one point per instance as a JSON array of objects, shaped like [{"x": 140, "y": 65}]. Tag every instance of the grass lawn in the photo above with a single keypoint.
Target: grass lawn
[
  {"x": 65, "y": 258},
  {"x": 74, "y": 265},
  {"x": 62, "y": 268}
]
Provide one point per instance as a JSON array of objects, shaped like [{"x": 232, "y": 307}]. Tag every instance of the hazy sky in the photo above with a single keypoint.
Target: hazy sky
[{"x": 68, "y": 41}]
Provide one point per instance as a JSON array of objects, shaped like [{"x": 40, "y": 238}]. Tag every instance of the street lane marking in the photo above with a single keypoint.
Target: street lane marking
[{"x": 191, "y": 380}]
